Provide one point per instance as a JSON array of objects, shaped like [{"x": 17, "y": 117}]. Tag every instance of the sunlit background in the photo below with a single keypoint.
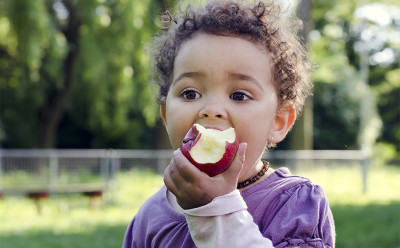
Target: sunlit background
[{"x": 82, "y": 146}]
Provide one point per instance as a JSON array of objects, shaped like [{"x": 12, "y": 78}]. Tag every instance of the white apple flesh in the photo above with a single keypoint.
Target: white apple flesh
[{"x": 210, "y": 150}]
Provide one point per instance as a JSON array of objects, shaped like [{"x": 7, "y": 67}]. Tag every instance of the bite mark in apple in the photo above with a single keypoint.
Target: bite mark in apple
[{"x": 210, "y": 150}]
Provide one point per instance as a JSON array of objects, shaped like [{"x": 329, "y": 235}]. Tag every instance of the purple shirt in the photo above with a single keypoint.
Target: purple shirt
[{"x": 290, "y": 210}]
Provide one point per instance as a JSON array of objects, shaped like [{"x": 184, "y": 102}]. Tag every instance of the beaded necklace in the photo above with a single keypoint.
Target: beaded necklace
[{"x": 253, "y": 179}]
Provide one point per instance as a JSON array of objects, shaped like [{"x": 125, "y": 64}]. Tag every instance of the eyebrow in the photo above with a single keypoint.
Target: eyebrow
[
  {"x": 232, "y": 75},
  {"x": 188, "y": 75},
  {"x": 244, "y": 77}
]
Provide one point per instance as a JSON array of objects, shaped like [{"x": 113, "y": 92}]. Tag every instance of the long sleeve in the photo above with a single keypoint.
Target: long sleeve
[
  {"x": 156, "y": 225},
  {"x": 224, "y": 222},
  {"x": 300, "y": 217},
  {"x": 291, "y": 211},
  {"x": 282, "y": 211}
]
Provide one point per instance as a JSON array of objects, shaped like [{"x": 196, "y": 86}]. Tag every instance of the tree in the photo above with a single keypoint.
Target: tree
[
  {"x": 376, "y": 41},
  {"x": 335, "y": 48},
  {"x": 75, "y": 73},
  {"x": 302, "y": 134}
]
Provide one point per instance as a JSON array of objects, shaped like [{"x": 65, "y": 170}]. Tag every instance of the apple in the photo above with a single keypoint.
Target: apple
[{"x": 210, "y": 150}]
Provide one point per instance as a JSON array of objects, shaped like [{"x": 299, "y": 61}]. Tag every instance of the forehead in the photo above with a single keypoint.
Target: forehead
[
  {"x": 205, "y": 37},
  {"x": 202, "y": 49}
]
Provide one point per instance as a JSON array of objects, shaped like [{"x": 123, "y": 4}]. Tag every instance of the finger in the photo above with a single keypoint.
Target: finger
[
  {"x": 172, "y": 177},
  {"x": 186, "y": 168},
  {"x": 168, "y": 181},
  {"x": 237, "y": 163},
  {"x": 187, "y": 193},
  {"x": 180, "y": 182}
]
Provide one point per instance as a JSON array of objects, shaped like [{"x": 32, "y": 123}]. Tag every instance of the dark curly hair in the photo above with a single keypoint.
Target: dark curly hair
[{"x": 261, "y": 23}]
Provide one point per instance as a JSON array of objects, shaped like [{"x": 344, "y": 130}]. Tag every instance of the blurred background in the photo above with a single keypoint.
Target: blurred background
[{"x": 78, "y": 116}]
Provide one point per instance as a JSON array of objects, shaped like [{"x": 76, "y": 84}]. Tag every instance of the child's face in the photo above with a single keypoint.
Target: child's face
[{"x": 221, "y": 82}]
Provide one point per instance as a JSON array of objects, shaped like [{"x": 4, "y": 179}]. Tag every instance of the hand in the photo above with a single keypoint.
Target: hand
[{"x": 194, "y": 188}]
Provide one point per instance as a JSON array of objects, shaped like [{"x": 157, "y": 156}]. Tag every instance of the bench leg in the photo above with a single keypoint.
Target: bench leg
[
  {"x": 93, "y": 197},
  {"x": 37, "y": 198},
  {"x": 38, "y": 204}
]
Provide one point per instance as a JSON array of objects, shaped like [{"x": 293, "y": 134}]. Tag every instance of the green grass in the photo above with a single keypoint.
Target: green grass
[
  {"x": 68, "y": 221},
  {"x": 368, "y": 220}
]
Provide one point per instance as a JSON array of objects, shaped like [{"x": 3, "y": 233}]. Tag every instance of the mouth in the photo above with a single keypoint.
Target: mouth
[
  {"x": 191, "y": 135},
  {"x": 216, "y": 128},
  {"x": 188, "y": 139}
]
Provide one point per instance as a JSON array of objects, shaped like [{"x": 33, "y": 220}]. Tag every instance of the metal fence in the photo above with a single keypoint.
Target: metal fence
[{"x": 58, "y": 171}]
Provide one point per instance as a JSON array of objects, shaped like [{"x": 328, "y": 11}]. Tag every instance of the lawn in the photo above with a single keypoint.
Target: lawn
[{"x": 370, "y": 220}]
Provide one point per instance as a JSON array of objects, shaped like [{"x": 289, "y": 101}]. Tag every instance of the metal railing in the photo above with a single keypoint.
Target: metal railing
[{"x": 54, "y": 170}]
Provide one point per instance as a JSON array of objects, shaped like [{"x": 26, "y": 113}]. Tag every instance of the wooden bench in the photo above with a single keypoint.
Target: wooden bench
[{"x": 37, "y": 194}]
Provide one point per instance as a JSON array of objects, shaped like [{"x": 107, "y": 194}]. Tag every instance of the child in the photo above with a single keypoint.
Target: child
[{"x": 232, "y": 64}]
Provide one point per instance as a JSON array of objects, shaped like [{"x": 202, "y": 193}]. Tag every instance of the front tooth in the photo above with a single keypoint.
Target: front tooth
[{"x": 186, "y": 140}]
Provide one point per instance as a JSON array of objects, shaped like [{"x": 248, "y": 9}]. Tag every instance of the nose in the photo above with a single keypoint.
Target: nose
[
  {"x": 211, "y": 115},
  {"x": 213, "y": 109}
]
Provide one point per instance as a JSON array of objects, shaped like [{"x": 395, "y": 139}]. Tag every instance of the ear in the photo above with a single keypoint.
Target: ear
[
  {"x": 283, "y": 122},
  {"x": 163, "y": 113}
]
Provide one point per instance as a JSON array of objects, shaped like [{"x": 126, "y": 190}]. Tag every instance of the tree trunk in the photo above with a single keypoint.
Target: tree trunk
[
  {"x": 51, "y": 114},
  {"x": 302, "y": 133},
  {"x": 162, "y": 141}
]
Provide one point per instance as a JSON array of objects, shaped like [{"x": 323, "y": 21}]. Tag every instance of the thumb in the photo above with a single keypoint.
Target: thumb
[{"x": 237, "y": 164}]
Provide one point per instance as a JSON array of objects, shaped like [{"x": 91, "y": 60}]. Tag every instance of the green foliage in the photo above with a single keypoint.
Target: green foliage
[
  {"x": 26, "y": 36},
  {"x": 77, "y": 65},
  {"x": 336, "y": 101},
  {"x": 114, "y": 68},
  {"x": 74, "y": 74},
  {"x": 388, "y": 92},
  {"x": 385, "y": 153},
  {"x": 337, "y": 120},
  {"x": 338, "y": 78}
]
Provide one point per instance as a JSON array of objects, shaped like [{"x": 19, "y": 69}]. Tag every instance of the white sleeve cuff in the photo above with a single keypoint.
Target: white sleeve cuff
[
  {"x": 221, "y": 205},
  {"x": 224, "y": 222}
]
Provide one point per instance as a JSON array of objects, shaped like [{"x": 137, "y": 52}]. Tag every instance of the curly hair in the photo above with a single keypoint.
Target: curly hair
[{"x": 261, "y": 23}]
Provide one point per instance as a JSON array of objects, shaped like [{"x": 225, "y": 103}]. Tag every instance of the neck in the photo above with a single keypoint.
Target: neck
[
  {"x": 257, "y": 178},
  {"x": 252, "y": 171}
]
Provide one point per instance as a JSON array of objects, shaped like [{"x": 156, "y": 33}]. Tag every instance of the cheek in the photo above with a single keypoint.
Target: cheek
[
  {"x": 257, "y": 132},
  {"x": 179, "y": 121},
  {"x": 256, "y": 123},
  {"x": 176, "y": 136},
  {"x": 256, "y": 140}
]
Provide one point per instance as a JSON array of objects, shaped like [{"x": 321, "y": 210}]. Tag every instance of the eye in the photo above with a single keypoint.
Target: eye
[
  {"x": 190, "y": 94},
  {"x": 239, "y": 96}
]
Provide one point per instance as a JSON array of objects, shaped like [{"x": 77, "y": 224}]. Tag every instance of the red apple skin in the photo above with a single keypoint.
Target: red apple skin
[{"x": 211, "y": 169}]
